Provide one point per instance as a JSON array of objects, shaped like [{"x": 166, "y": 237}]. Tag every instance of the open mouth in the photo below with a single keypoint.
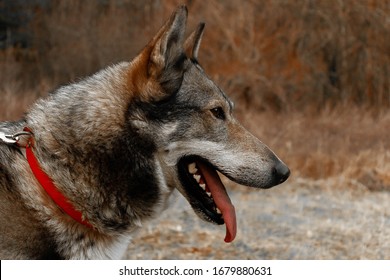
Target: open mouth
[{"x": 206, "y": 193}]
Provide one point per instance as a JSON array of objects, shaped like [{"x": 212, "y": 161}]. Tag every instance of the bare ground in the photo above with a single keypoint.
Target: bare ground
[{"x": 300, "y": 219}]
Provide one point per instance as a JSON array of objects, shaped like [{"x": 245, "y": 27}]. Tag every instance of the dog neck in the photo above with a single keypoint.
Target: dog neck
[{"x": 48, "y": 185}]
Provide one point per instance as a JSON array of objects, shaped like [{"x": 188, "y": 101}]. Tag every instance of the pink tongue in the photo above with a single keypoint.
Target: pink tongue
[{"x": 221, "y": 199}]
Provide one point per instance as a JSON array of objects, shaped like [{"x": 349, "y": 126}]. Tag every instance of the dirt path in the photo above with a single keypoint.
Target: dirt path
[{"x": 295, "y": 221}]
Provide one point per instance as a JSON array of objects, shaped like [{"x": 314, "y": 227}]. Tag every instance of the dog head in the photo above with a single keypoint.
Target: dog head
[{"x": 191, "y": 121}]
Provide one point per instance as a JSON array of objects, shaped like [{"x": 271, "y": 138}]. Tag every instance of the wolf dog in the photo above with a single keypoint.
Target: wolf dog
[{"x": 94, "y": 160}]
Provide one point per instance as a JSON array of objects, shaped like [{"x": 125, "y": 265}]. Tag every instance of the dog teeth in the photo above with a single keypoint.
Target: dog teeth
[
  {"x": 197, "y": 177},
  {"x": 192, "y": 168}
]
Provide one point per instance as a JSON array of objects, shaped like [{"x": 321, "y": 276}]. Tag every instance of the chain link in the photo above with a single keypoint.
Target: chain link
[{"x": 12, "y": 139}]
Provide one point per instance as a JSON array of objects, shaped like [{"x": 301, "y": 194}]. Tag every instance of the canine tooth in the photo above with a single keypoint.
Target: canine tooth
[
  {"x": 192, "y": 168},
  {"x": 219, "y": 211},
  {"x": 203, "y": 186},
  {"x": 197, "y": 177}
]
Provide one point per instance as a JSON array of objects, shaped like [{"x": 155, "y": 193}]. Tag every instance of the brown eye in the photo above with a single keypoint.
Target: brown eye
[{"x": 218, "y": 113}]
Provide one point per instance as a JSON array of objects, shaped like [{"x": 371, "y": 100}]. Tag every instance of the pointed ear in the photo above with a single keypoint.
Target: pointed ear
[
  {"x": 157, "y": 72},
  {"x": 192, "y": 43},
  {"x": 168, "y": 44}
]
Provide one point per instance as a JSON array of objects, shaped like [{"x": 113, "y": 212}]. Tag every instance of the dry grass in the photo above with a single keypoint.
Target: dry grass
[{"x": 343, "y": 143}]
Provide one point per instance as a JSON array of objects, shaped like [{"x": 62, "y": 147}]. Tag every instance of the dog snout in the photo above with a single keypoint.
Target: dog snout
[{"x": 281, "y": 172}]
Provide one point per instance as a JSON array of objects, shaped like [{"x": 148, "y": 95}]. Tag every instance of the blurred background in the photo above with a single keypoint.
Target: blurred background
[{"x": 310, "y": 78}]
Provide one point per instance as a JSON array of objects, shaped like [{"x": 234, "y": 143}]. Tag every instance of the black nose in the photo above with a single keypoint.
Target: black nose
[{"x": 281, "y": 172}]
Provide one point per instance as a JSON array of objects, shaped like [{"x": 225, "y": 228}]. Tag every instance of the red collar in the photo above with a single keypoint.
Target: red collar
[{"x": 50, "y": 188}]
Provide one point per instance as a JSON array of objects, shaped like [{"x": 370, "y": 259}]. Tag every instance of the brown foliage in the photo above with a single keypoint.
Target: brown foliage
[
  {"x": 271, "y": 54},
  {"x": 281, "y": 61}
]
